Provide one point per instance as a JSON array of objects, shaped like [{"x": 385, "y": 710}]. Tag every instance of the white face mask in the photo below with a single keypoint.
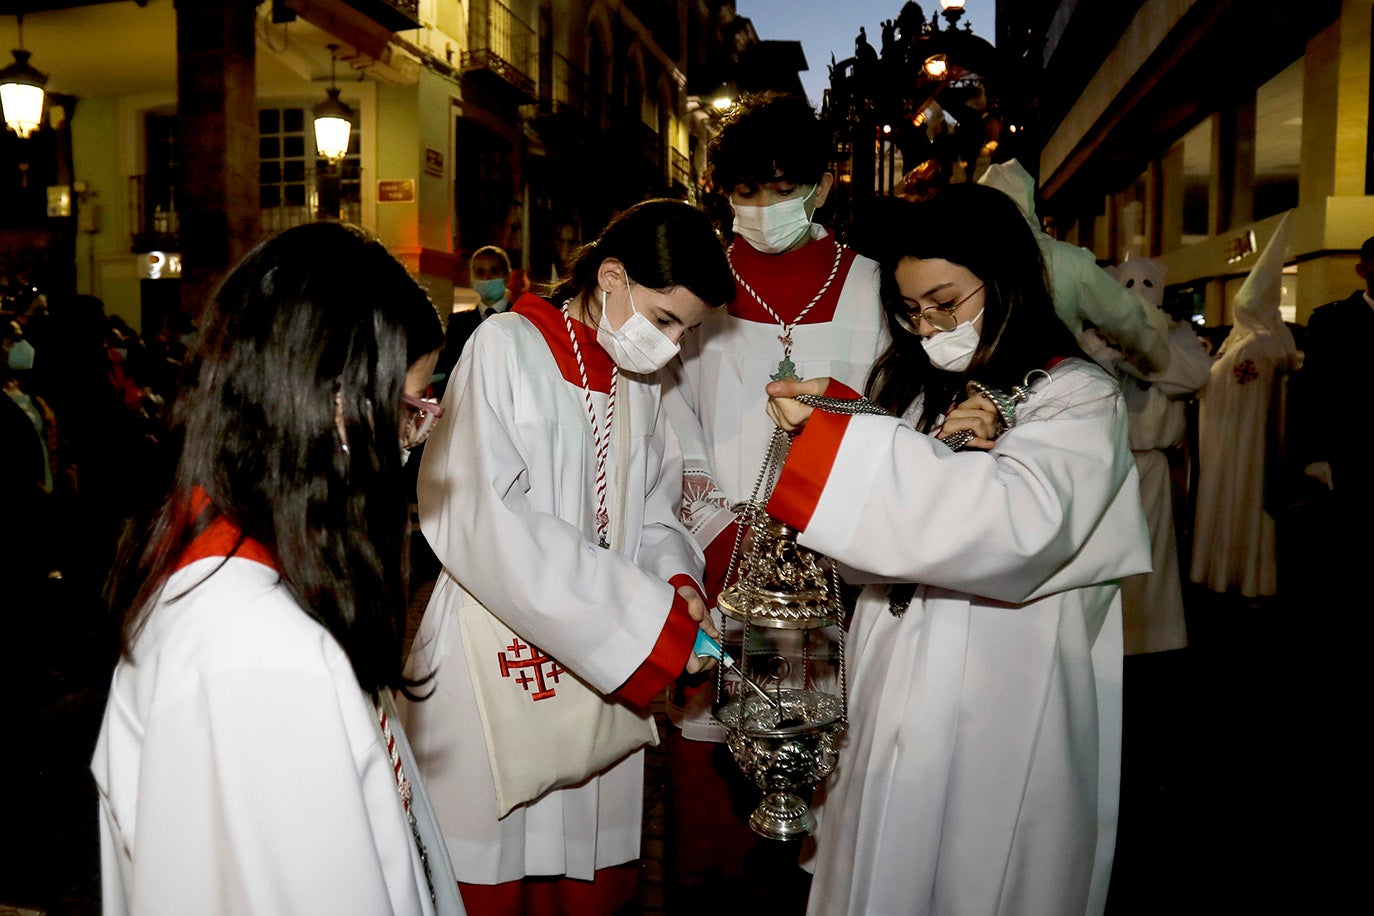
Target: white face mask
[
  {"x": 774, "y": 228},
  {"x": 637, "y": 346},
  {"x": 953, "y": 350}
]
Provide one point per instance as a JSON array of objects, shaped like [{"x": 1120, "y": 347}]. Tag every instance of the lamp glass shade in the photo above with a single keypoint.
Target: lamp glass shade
[
  {"x": 333, "y": 127},
  {"x": 952, "y": 4},
  {"x": 21, "y": 95}
]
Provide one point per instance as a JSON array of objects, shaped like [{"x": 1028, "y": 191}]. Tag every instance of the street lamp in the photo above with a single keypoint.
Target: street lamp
[
  {"x": 953, "y": 10},
  {"x": 21, "y": 90},
  {"x": 723, "y": 99},
  {"x": 333, "y": 120}
]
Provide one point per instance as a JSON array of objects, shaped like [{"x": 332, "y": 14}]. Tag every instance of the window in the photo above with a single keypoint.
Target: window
[{"x": 290, "y": 174}]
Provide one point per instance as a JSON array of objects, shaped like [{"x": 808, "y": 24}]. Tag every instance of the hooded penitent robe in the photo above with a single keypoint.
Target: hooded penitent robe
[{"x": 1233, "y": 533}]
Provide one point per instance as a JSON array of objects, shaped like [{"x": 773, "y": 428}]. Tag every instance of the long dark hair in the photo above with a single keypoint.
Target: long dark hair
[
  {"x": 982, "y": 230},
  {"x": 310, "y": 334},
  {"x": 662, "y": 243}
]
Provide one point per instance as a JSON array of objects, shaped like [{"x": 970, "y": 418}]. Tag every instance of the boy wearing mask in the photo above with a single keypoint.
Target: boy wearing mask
[{"x": 805, "y": 306}]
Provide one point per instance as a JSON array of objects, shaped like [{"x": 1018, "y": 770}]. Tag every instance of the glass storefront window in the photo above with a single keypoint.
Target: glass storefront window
[
  {"x": 1278, "y": 141},
  {"x": 1197, "y": 182}
]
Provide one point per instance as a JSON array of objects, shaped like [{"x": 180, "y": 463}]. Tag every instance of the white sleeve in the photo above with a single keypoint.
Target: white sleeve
[
  {"x": 705, "y": 509},
  {"x": 665, "y": 547},
  {"x": 1082, "y": 290},
  {"x": 1054, "y": 505},
  {"x": 1190, "y": 365},
  {"x": 594, "y": 610},
  {"x": 249, "y": 801}
]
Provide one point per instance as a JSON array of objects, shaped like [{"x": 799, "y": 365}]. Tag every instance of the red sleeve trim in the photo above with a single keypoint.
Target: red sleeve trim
[
  {"x": 808, "y": 463},
  {"x": 682, "y": 579},
  {"x": 666, "y": 660}
]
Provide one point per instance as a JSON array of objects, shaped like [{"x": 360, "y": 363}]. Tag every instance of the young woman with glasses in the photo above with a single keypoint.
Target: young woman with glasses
[
  {"x": 981, "y": 770},
  {"x": 250, "y": 759}
]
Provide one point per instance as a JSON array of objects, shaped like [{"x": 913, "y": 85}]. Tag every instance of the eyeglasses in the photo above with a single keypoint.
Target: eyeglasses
[
  {"x": 423, "y": 414},
  {"x": 939, "y": 317}
]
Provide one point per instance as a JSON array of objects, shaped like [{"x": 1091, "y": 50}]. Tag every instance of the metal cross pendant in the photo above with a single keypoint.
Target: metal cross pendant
[{"x": 786, "y": 370}]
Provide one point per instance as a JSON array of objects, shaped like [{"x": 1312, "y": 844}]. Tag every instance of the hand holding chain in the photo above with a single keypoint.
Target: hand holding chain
[{"x": 1004, "y": 403}]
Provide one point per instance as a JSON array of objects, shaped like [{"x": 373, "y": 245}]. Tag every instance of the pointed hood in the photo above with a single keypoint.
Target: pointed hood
[
  {"x": 1012, "y": 179},
  {"x": 1255, "y": 310},
  {"x": 1257, "y": 303}
]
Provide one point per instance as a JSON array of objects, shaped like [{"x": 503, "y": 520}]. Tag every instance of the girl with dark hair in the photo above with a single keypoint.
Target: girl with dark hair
[
  {"x": 250, "y": 759},
  {"x": 981, "y": 770},
  {"x": 551, "y": 502}
]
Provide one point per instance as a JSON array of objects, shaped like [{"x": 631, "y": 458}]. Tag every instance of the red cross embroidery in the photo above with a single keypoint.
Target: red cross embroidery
[
  {"x": 531, "y": 670},
  {"x": 1245, "y": 371}
]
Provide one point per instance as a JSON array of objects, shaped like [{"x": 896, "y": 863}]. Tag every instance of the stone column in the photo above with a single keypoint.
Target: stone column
[{"x": 218, "y": 112}]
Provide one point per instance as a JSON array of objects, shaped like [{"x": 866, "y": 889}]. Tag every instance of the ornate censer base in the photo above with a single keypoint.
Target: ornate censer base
[{"x": 784, "y": 750}]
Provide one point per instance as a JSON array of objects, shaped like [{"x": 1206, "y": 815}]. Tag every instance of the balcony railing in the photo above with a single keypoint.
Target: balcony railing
[
  {"x": 319, "y": 190},
  {"x": 396, "y": 15},
  {"x": 680, "y": 173},
  {"x": 156, "y": 222},
  {"x": 501, "y": 43},
  {"x": 569, "y": 87}
]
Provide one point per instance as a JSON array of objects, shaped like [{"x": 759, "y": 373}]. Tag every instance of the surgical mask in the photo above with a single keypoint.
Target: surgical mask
[
  {"x": 953, "y": 350},
  {"x": 21, "y": 356},
  {"x": 637, "y": 346},
  {"x": 490, "y": 290},
  {"x": 774, "y": 228}
]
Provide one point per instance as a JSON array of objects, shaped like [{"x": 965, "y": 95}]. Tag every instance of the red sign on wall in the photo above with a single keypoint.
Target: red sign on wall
[{"x": 400, "y": 190}]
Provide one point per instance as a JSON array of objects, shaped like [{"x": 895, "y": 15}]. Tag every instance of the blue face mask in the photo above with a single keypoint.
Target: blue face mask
[
  {"x": 21, "y": 356},
  {"x": 490, "y": 290}
]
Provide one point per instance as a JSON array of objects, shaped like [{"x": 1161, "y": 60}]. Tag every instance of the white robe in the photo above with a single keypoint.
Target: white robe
[
  {"x": 1152, "y": 603},
  {"x": 981, "y": 771},
  {"x": 717, "y": 402},
  {"x": 241, "y": 768},
  {"x": 1234, "y": 536},
  {"x": 507, "y": 501}
]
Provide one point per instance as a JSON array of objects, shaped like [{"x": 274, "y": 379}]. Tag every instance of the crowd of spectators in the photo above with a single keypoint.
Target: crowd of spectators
[{"x": 85, "y": 449}]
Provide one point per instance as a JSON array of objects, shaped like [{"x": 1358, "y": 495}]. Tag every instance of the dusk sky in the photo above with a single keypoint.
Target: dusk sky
[{"x": 823, "y": 26}]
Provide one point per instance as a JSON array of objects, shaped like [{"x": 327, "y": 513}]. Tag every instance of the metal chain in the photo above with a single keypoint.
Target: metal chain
[
  {"x": 847, "y": 406},
  {"x": 748, "y": 517},
  {"x": 838, "y": 604}
]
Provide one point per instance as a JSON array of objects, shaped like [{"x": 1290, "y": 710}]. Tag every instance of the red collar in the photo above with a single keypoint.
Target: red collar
[
  {"x": 222, "y": 538},
  {"x": 548, "y": 318},
  {"x": 788, "y": 281}
]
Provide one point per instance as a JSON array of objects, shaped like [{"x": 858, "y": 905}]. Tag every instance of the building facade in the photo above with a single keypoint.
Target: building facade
[
  {"x": 1183, "y": 130},
  {"x": 178, "y": 133}
]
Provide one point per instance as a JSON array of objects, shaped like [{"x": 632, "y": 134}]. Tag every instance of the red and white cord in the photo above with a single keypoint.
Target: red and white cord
[
  {"x": 786, "y": 336},
  {"x": 603, "y": 438}
]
